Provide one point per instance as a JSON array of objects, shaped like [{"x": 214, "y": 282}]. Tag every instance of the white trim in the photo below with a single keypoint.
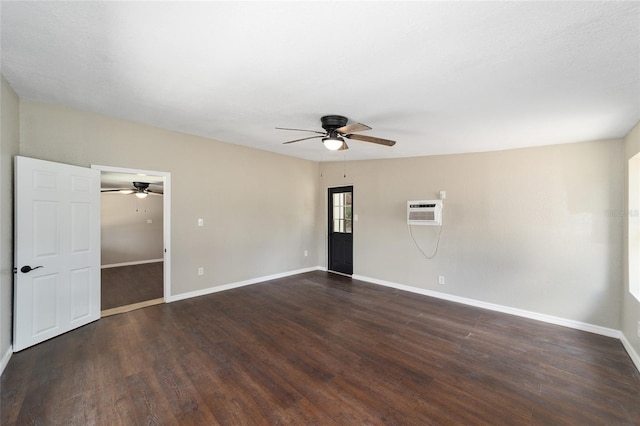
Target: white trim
[
  {"x": 630, "y": 350},
  {"x": 230, "y": 286},
  {"x": 5, "y": 359},
  {"x": 166, "y": 218},
  {"x": 578, "y": 325},
  {"x": 633, "y": 226},
  {"x": 135, "y": 262}
]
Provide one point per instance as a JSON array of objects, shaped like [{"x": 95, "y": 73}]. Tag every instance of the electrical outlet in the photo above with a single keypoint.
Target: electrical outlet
[
  {"x": 639, "y": 329},
  {"x": 306, "y": 253},
  {"x": 441, "y": 279},
  {"x": 201, "y": 271}
]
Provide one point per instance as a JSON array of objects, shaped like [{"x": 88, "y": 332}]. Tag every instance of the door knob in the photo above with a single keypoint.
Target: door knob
[{"x": 28, "y": 268}]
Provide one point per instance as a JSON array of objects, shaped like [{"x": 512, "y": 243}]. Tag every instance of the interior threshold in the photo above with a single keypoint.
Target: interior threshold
[
  {"x": 132, "y": 307},
  {"x": 339, "y": 273}
]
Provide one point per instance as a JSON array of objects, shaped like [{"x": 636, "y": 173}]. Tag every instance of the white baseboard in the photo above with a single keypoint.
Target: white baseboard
[
  {"x": 135, "y": 262},
  {"x": 632, "y": 353},
  {"x": 210, "y": 290},
  {"x": 5, "y": 359},
  {"x": 609, "y": 332}
]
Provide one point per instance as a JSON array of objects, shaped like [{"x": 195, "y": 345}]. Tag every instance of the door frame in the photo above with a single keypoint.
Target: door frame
[
  {"x": 166, "y": 219},
  {"x": 328, "y": 225}
]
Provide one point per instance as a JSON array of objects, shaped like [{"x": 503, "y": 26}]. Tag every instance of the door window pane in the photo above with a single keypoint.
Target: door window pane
[{"x": 342, "y": 212}]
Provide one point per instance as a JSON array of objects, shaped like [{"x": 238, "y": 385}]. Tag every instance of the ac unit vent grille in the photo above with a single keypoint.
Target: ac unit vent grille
[{"x": 428, "y": 215}]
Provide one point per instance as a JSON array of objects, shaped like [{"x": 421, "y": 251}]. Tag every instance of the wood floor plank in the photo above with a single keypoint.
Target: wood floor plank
[{"x": 320, "y": 349}]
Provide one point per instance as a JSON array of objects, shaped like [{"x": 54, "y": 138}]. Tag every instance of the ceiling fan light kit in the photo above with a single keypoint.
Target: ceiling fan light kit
[
  {"x": 336, "y": 129},
  {"x": 333, "y": 143}
]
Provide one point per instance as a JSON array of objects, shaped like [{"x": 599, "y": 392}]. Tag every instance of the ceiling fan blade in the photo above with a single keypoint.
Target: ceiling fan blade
[
  {"x": 304, "y": 139},
  {"x": 110, "y": 190},
  {"x": 300, "y": 130},
  {"x": 344, "y": 147},
  {"x": 351, "y": 128},
  {"x": 371, "y": 139}
]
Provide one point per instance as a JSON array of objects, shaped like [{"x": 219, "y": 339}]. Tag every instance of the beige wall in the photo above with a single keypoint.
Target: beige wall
[
  {"x": 9, "y": 140},
  {"x": 630, "y": 306},
  {"x": 125, "y": 234},
  {"x": 259, "y": 207},
  {"x": 525, "y": 228}
]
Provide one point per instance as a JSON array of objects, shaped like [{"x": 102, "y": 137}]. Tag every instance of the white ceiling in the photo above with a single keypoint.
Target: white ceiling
[{"x": 438, "y": 77}]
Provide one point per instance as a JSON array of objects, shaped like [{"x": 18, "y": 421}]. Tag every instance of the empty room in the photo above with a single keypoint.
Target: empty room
[{"x": 328, "y": 213}]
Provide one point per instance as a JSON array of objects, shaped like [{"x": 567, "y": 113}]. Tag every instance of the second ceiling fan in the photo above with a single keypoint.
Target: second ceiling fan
[
  {"x": 140, "y": 189},
  {"x": 336, "y": 130}
]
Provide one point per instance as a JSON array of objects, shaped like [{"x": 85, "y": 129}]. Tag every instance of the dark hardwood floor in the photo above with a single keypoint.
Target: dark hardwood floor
[
  {"x": 320, "y": 349},
  {"x": 126, "y": 285}
]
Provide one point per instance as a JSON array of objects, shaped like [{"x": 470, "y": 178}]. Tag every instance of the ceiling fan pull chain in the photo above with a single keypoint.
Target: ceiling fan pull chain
[{"x": 344, "y": 164}]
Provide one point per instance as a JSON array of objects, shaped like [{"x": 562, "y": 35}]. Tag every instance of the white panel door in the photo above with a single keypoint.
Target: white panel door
[{"x": 57, "y": 249}]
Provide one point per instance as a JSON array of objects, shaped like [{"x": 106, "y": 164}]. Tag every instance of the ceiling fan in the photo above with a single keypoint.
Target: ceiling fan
[
  {"x": 336, "y": 129},
  {"x": 140, "y": 189}
]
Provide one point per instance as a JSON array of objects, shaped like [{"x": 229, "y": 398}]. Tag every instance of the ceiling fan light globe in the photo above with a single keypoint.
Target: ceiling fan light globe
[
  {"x": 333, "y": 143},
  {"x": 141, "y": 194}
]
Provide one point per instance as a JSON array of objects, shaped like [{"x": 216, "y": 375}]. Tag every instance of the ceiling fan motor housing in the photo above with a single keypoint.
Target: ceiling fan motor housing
[
  {"x": 332, "y": 122},
  {"x": 141, "y": 186}
]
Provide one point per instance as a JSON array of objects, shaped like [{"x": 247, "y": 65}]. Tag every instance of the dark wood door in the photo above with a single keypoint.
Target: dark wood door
[{"x": 341, "y": 229}]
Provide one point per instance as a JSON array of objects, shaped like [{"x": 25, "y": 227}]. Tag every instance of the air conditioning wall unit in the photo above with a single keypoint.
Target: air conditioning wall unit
[{"x": 424, "y": 212}]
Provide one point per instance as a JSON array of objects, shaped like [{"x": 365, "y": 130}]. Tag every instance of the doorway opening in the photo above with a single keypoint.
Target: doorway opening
[
  {"x": 135, "y": 232},
  {"x": 340, "y": 227}
]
